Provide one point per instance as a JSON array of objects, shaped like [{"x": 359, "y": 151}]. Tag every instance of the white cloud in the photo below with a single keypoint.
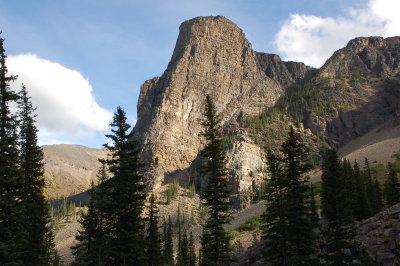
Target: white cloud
[
  {"x": 312, "y": 39},
  {"x": 66, "y": 106}
]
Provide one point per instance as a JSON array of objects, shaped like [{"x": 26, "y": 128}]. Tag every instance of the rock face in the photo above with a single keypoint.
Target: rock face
[
  {"x": 381, "y": 235},
  {"x": 285, "y": 73},
  {"x": 69, "y": 169},
  {"x": 365, "y": 75},
  {"x": 373, "y": 56},
  {"x": 212, "y": 56}
]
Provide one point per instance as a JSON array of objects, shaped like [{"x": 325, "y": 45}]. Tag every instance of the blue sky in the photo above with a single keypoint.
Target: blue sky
[{"x": 81, "y": 58}]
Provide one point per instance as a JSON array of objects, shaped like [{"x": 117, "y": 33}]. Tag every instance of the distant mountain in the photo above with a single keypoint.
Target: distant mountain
[{"x": 69, "y": 169}]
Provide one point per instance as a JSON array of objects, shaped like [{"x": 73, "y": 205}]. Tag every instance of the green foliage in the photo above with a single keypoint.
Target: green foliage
[
  {"x": 25, "y": 236},
  {"x": 339, "y": 234},
  {"x": 288, "y": 220},
  {"x": 216, "y": 249},
  {"x": 391, "y": 189},
  {"x": 192, "y": 190},
  {"x": 251, "y": 224},
  {"x": 153, "y": 238},
  {"x": 172, "y": 191},
  {"x": 229, "y": 140},
  {"x": 168, "y": 249},
  {"x": 117, "y": 205},
  {"x": 192, "y": 252}
]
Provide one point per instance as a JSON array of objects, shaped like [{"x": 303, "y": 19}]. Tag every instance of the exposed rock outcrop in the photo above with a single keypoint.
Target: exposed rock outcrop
[
  {"x": 211, "y": 56},
  {"x": 285, "y": 73},
  {"x": 361, "y": 83},
  {"x": 372, "y": 56},
  {"x": 381, "y": 235}
]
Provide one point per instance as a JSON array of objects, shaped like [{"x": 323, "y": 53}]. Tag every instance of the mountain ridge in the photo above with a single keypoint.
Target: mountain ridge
[{"x": 212, "y": 56}]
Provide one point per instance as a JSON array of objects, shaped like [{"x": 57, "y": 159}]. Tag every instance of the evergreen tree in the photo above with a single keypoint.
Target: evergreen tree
[
  {"x": 39, "y": 246},
  {"x": 168, "y": 250},
  {"x": 350, "y": 185},
  {"x": 391, "y": 186},
  {"x": 300, "y": 227},
  {"x": 378, "y": 202},
  {"x": 127, "y": 194},
  {"x": 183, "y": 255},
  {"x": 362, "y": 208},
  {"x": 373, "y": 192},
  {"x": 275, "y": 217},
  {"x": 153, "y": 236},
  {"x": 288, "y": 219},
  {"x": 192, "y": 251},
  {"x": 86, "y": 251},
  {"x": 216, "y": 249},
  {"x": 93, "y": 237},
  {"x": 12, "y": 234},
  {"x": 314, "y": 217},
  {"x": 340, "y": 246},
  {"x": 334, "y": 196}
]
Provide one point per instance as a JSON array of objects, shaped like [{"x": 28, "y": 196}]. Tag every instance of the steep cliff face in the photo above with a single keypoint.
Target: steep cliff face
[
  {"x": 285, "y": 73},
  {"x": 212, "y": 56}
]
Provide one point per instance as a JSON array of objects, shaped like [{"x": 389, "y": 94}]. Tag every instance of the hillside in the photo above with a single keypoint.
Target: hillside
[{"x": 69, "y": 169}]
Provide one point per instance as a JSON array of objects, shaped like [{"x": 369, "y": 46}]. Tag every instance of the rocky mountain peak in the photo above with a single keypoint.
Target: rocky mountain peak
[
  {"x": 206, "y": 33},
  {"x": 370, "y": 56},
  {"x": 212, "y": 56}
]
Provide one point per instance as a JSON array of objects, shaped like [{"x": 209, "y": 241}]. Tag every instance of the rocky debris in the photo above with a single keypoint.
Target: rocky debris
[{"x": 381, "y": 235}]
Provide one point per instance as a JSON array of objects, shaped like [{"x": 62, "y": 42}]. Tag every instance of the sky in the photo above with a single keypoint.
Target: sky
[{"x": 80, "y": 59}]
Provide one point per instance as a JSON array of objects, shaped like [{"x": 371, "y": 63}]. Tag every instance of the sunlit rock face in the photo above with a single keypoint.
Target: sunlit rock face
[{"x": 211, "y": 56}]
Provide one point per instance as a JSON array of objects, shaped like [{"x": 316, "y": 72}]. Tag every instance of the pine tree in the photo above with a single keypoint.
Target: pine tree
[
  {"x": 275, "y": 226},
  {"x": 334, "y": 196},
  {"x": 378, "y": 202},
  {"x": 216, "y": 249},
  {"x": 340, "y": 232},
  {"x": 93, "y": 237},
  {"x": 183, "y": 252},
  {"x": 153, "y": 240},
  {"x": 300, "y": 227},
  {"x": 39, "y": 246},
  {"x": 192, "y": 252},
  {"x": 127, "y": 191},
  {"x": 168, "y": 249},
  {"x": 86, "y": 251},
  {"x": 314, "y": 217},
  {"x": 391, "y": 187},
  {"x": 373, "y": 192},
  {"x": 12, "y": 238},
  {"x": 362, "y": 208},
  {"x": 289, "y": 219}
]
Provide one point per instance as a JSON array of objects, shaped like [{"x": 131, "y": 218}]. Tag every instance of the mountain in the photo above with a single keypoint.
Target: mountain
[
  {"x": 258, "y": 97},
  {"x": 69, "y": 169}
]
